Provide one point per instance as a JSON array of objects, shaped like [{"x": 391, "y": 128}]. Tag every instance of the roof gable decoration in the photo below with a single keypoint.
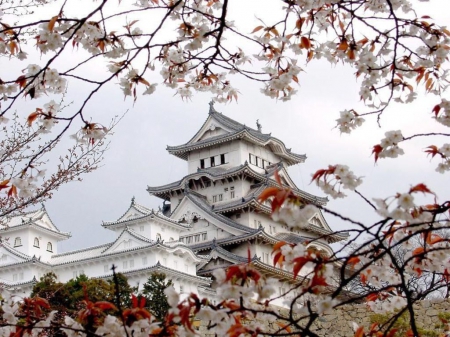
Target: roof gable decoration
[
  {"x": 197, "y": 204},
  {"x": 134, "y": 211},
  {"x": 319, "y": 221},
  {"x": 8, "y": 258},
  {"x": 190, "y": 217},
  {"x": 128, "y": 239}
]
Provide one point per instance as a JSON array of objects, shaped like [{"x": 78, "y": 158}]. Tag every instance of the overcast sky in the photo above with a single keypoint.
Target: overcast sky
[{"x": 138, "y": 158}]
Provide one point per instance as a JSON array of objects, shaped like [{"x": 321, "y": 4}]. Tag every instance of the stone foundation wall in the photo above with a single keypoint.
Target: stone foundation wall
[{"x": 339, "y": 322}]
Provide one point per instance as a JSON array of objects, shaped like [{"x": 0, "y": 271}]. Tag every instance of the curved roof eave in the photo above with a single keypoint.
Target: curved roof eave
[
  {"x": 290, "y": 157},
  {"x": 121, "y": 223}
]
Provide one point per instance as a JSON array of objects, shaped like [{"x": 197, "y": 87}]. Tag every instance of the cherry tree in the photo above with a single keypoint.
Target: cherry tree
[{"x": 194, "y": 46}]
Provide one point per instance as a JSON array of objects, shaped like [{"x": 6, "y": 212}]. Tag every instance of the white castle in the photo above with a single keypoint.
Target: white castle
[{"x": 209, "y": 219}]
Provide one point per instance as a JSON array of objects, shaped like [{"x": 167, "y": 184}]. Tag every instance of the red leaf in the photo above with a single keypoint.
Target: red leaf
[
  {"x": 103, "y": 305},
  {"x": 376, "y": 151},
  {"x": 420, "y": 188},
  {"x": 372, "y": 297},
  {"x": 433, "y": 150},
  {"x": 359, "y": 332},
  {"x": 267, "y": 193}
]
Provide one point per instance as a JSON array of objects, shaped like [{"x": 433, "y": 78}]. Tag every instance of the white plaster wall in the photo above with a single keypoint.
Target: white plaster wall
[
  {"x": 203, "y": 226},
  {"x": 40, "y": 252},
  {"x": 231, "y": 151}
]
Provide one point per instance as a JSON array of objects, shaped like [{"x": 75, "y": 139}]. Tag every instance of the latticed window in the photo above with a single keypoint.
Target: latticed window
[
  {"x": 49, "y": 247},
  {"x": 17, "y": 242},
  {"x": 36, "y": 242}
]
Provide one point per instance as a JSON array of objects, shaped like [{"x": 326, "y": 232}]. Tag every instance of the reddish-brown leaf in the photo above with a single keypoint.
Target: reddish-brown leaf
[
  {"x": 359, "y": 332},
  {"x": 21, "y": 81},
  {"x": 436, "y": 109},
  {"x": 12, "y": 192},
  {"x": 257, "y": 29},
  {"x": 267, "y": 193},
  {"x": 420, "y": 188},
  {"x": 52, "y": 23},
  {"x": 4, "y": 184},
  {"x": 376, "y": 151}
]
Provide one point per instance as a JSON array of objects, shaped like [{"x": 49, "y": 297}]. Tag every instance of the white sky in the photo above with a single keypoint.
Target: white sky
[{"x": 137, "y": 157}]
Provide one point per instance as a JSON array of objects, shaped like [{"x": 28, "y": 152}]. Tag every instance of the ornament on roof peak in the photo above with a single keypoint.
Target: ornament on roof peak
[
  {"x": 258, "y": 125},
  {"x": 133, "y": 202},
  {"x": 211, "y": 107}
]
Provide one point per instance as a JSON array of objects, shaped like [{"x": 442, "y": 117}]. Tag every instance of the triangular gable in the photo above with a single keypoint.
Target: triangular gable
[
  {"x": 319, "y": 221},
  {"x": 187, "y": 207},
  {"x": 9, "y": 255},
  {"x": 214, "y": 263},
  {"x": 210, "y": 128},
  {"x": 128, "y": 239},
  {"x": 285, "y": 178},
  {"x": 43, "y": 220},
  {"x": 133, "y": 212}
]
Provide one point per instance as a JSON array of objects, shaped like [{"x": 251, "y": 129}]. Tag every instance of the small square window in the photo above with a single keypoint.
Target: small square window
[
  {"x": 131, "y": 263},
  {"x": 231, "y": 188},
  {"x": 220, "y": 197},
  {"x": 212, "y": 162},
  {"x": 225, "y": 189},
  {"x": 232, "y": 195},
  {"x": 214, "y": 198}
]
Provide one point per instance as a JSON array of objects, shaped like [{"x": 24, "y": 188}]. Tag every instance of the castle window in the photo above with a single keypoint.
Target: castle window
[
  {"x": 214, "y": 198},
  {"x": 259, "y": 162},
  {"x": 144, "y": 260},
  {"x": 204, "y": 236},
  {"x": 238, "y": 216},
  {"x": 49, "y": 247},
  {"x": 222, "y": 159},
  {"x": 197, "y": 238},
  {"x": 202, "y": 163},
  {"x": 220, "y": 197},
  {"x": 252, "y": 159},
  {"x": 181, "y": 289},
  {"x": 36, "y": 242},
  {"x": 232, "y": 195},
  {"x": 17, "y": 242},
  {"x": 212, "y": 162},
  {"x": 158, "y": 237}
]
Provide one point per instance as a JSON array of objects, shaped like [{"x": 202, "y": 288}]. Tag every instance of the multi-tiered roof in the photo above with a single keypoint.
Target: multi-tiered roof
[{"x": 192, "y": 194}]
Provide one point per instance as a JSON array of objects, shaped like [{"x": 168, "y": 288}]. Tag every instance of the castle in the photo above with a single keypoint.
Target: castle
[{"x": 211, "y": 218}]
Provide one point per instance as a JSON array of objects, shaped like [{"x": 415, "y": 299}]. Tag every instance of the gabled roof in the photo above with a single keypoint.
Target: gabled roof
[
  {"x": 137, "y": 213},
  {"x": 102, "y": 250},
  {"x": 217, "y": 173},
  {"x": 13, "y": 251},
  {"x": 260, "y": 234},
  {"x": 199, "y": 201},
  {"x": 165, "y": 270},
  {"x": 39, "y": 219},
  {"x": 130, "y": 233},
  {"x": 234, "y": 130}
]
